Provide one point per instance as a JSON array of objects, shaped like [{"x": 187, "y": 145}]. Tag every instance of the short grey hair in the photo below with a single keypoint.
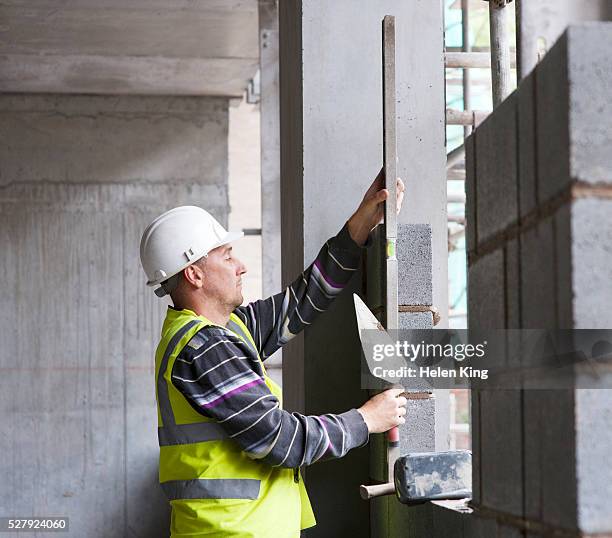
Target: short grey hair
[{"x": 169, "y": 285}]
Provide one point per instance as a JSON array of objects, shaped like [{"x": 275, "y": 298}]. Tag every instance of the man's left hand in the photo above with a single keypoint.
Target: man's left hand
[{"x": 371, "y": 211}]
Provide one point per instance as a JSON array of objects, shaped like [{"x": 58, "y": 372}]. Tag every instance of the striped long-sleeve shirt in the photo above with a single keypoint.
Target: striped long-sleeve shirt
[{"x": 222, "y": 379}]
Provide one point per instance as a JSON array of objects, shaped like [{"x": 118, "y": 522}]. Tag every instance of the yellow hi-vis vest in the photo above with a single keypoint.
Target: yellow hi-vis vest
[{"x": 214, "y": 488}]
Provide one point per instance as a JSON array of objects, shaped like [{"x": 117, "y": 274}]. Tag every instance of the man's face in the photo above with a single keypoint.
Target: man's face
[{"x": 223, "y": 276}]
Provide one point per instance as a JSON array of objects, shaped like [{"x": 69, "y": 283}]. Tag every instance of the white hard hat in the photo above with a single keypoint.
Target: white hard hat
[{"x": 178, "y": 238}]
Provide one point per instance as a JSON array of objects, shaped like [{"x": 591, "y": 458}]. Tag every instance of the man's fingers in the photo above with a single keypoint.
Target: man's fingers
[
  {"x": 379, "y": 181},
  {"x": 400, "y": 194}
]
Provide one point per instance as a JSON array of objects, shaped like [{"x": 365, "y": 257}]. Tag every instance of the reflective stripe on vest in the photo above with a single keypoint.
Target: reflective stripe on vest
[
  {"x": 212, "y": 488},
  {"x": 246, "y": 338},
  {"x": 185, "y": 434},
  {"x": 172, "y": 433}
]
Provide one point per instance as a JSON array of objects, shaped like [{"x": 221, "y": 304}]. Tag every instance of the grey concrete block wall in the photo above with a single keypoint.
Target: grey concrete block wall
[
  {"x": 81, "y": 177},
  {"x": 555, "y": 258},
  {"x": 496, "y": 157}
]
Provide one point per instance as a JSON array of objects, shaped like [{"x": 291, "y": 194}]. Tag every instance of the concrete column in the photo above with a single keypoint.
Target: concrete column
[
  {"x": 270, "y": 160},
  {"x": 81, "y": 178},
  {"x": 331, "y": 149}
]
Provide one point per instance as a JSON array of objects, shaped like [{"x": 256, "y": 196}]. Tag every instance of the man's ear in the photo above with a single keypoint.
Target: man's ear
[{"x": 194, "y": 275}]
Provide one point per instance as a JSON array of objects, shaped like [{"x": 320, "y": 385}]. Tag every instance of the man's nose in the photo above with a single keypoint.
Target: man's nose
[{"x": 241, "y": 268}]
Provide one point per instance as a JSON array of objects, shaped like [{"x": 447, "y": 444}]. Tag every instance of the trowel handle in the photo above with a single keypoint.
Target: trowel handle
[{"x": 392, "y": 451}]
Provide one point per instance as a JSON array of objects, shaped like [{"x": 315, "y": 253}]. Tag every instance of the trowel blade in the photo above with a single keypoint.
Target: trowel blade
[{"x": 365, "y": 319}]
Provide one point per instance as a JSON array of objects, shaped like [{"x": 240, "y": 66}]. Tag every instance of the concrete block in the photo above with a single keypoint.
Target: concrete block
[
  {"x": 553, "y": 141},
  {"x": 591, "y": 233},
  {"x": 448, "y": 523},
  {"x": 418, "y": 433},
  {"x": 476, "y": 526},
  {"x": 506, "y": 531},
  {"x": 513, "y": 305},
  {"x": 496, "y": 158},
  {"x": 470, "y": 192},
  {"x": 526, "y": 127},
  {"x": 414, "y": 264},
  {"x": 563, "y": 267},
  {"x": 533, "y": 416},
  {"x": 410, "y": 521},
  {"x": 572, "y": 132},
  {"x": 538, "y": 293},
  {"x": 486, "y": 304},
  {"x": 593, "y": 441},
  {"x": 590, "y": 79},
  {"x": 549, "y": 457},
  {"x": 557, "y": 443},
  {"x": 500, "y": 448},
  {"x": 512, "y": 267},
  {"x": 475, "y": 427},
  {"x": 415, "y": 320}
]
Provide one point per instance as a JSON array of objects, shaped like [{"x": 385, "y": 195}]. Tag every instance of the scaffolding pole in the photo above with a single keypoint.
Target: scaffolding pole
[
  {"x": 499, "y": 20},
  {"x": 466, "y": 46}
]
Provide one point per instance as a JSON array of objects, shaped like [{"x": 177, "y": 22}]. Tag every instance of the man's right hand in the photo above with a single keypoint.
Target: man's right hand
[{"x": 384, "y": 411}]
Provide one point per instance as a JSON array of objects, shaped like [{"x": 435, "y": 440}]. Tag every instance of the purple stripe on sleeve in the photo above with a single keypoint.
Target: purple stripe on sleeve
[{"x": 326, "y": 276}]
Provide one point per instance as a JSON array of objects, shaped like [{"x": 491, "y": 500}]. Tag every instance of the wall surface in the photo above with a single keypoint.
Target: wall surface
[
  {"x": 269, "y": 106},
  {"x": 539, "y": 233},
  {"x": 80, "y": 178}
]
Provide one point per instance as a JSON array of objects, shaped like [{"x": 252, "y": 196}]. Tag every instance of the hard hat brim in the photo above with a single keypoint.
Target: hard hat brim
[{"x": 229, "y": 238}]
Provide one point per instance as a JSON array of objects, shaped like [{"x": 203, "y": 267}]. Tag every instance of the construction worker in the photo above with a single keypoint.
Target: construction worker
[{"x": 229, "y": 454}]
